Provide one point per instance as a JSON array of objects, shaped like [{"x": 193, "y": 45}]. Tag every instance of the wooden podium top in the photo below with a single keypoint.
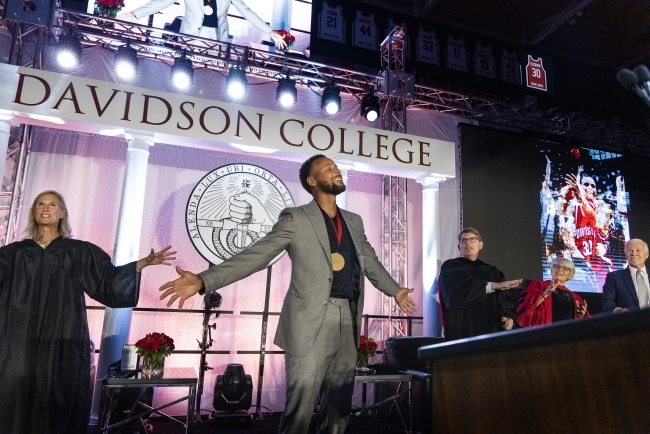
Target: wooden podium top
[{"x": 565, "y": 332}]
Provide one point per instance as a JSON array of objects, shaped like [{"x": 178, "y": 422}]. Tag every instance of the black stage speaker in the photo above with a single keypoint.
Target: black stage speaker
[{"x": 40, "y": 12}]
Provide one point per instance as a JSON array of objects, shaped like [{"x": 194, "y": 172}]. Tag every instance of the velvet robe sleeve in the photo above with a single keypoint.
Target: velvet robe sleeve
[
  {"x": 459, "y": 289},
  {"x": 113, "y": 286},
  {"x": 529, "y": 314}
]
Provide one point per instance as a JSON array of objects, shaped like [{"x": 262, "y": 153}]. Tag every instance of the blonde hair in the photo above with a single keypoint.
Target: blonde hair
[{"x": 63, "y": 228}]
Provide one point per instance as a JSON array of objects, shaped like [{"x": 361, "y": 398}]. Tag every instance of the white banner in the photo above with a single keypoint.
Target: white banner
[{"x": 176, "y": 118}]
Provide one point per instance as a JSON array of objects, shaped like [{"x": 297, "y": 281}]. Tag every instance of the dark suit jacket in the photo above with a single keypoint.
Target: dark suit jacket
[{"x": 619, "y": 291}]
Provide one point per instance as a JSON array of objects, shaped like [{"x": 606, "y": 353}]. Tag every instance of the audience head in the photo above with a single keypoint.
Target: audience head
[
  {"x": 470, "y": 243},
  {"x": 57, "y": 214},
  {"x": 636, "y": 252},
  {"x": 562, "y": 269}
]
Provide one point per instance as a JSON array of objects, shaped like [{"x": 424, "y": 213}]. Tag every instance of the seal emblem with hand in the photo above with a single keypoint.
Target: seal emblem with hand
[{"x": 232, "y": 207}]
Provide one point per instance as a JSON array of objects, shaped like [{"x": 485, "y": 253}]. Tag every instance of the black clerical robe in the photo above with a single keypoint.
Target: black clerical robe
[
  {"x": 44, "y": 340},
  {"x": 467, "y": 309}
]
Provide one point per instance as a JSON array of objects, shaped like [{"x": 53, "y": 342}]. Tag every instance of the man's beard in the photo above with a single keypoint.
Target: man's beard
[{"x": 331, "y": 188}]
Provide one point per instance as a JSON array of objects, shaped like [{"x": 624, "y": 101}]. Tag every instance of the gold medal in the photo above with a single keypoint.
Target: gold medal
[
  {"x": 207, "y": 10},
  {"x": 337, "y": 261}
]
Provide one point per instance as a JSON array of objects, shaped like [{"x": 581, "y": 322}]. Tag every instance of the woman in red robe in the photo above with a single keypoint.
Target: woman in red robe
[{"x": 549, "y": 301}]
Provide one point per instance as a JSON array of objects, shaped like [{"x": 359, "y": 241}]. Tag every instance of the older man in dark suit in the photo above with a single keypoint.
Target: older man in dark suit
[
  {"x": 321, "y": 316},
  {"x": 627, "y": 289}
]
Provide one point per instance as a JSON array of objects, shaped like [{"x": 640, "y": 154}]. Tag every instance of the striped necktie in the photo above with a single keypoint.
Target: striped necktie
[{"x": 642, "y": 289}]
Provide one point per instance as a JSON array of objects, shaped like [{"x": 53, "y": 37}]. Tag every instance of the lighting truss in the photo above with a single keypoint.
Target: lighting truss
[{"x": 476, "y": 107}]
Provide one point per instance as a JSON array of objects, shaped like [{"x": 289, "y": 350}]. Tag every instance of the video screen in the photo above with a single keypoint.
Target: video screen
[
  {"x": 535, "y": 199},
  {"x": 584, "y": 213},
  {"x": 246, "y": 19}
]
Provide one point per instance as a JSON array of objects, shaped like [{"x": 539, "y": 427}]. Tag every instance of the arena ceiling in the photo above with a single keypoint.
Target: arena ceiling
[{"x": 605, "y": 33}]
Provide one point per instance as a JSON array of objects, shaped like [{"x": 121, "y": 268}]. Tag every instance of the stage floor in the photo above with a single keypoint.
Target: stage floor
[{"x": 270, "y": 424}]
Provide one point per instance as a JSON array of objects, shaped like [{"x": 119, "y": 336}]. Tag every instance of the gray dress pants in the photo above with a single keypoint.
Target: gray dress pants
[{"x": 325, "y": 374}]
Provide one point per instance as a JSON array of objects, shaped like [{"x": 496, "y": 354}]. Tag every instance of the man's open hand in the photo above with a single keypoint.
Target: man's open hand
[
  {"x": 403, "y": 300},
  {"x": 182, "y": 288}
]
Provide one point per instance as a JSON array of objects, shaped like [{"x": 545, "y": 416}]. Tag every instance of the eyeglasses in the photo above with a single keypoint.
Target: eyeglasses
[
  {"x": 471, "y": 240},
  {"x": 561, "y": 267}
]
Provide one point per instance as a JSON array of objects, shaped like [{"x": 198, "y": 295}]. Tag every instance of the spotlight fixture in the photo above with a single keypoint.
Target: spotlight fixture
[
  {"x": 286, "y": 93},
  {"x": 125, "y": 62},
  {"x": 236, "y": 82},
  {"x": 68, "y": 51},
  {"x": 331, "y": 100},
  {"x": 370, "y": 106},
  {"x": 182, "y": 72}
]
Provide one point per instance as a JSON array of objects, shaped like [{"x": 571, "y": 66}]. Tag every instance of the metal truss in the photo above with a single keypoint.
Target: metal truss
[
  {"x": 394, "y": 252},
  {"x": 13, "y": 183},
  {"x": 475, "y": 106},
  {"x": 394, "y": 201}
]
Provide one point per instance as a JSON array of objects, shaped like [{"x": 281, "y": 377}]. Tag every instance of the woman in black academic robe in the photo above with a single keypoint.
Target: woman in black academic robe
[{"x": 44, "y": 339}]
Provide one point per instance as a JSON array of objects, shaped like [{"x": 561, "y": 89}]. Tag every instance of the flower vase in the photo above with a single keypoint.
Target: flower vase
[
  {"x": 107, "y": 13},
  {"x": 362, "y": 362},
  {"x": 153, "y": 366}
]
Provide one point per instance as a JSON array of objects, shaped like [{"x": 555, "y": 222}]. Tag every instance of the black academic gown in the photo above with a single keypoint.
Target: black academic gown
[
  {"x": 44, "y": 340},
  {"x": 468, "y": 311}
]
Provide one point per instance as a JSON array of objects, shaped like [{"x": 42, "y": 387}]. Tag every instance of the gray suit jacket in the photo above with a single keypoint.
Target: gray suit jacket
[
  {"x": 193, "y": 19},
  {"x": 301, "y": 231}
]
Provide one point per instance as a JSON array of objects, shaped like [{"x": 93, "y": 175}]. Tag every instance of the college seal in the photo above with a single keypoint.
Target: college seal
[{"x": 232, "y": 207}]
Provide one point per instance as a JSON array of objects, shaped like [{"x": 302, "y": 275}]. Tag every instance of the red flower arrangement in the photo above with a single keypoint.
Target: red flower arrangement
[
  {"x": 109, "y": 8},
  {"x": 288, "y": 37},
  {"x": 367, "y": 349},
  {"x": 155, "y": 347},
  {"x": 367, "y": 346}
]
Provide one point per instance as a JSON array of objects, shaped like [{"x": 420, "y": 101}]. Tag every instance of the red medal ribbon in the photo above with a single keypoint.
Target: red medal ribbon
[{"x": 338, "y": 229}]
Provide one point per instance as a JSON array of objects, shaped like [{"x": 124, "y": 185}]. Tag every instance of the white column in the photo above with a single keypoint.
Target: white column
[
  {"x": 344, "y": 166},
  {"x": 7, "y": 120},
  {"x": 432, "y": 324},
  {"x": 117, "y": 322}
]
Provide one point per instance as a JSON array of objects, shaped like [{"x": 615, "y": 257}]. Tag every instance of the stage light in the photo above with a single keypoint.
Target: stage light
[
  {"x": 331, "y": 100},
  {"x": 182, "y": 72},
  {"x": 233, "y": 390},
  {"x": 125, "y": 62},
  {"x": 236, "y": 83},
  {"x": 370, "y": 107},
  {"x": 68, "y": 51},
  {"x": 286, "y": 93}
]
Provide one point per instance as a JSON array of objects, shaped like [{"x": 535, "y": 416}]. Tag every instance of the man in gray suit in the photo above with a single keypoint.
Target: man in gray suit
[
  {"x": 208, "y": 18},
  {"x": 320, "y": 322}
]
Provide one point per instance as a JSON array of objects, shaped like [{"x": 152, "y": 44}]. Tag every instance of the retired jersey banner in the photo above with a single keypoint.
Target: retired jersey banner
[
  {"x": 364, "y": 32},
  {"x": 331, "y": 24},
  {"x": 536, "y": 74},
  {"x": 456, "y": 54},
  {"x": 510, "y": 67},
  {"x": 428, "y": 49},
  {"x": 484, "y": 61}
]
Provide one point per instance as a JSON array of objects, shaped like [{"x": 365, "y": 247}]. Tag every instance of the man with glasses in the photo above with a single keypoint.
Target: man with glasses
[
  {"x": 627, "y": 289},
  {"x": 467, "y": 292}
]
